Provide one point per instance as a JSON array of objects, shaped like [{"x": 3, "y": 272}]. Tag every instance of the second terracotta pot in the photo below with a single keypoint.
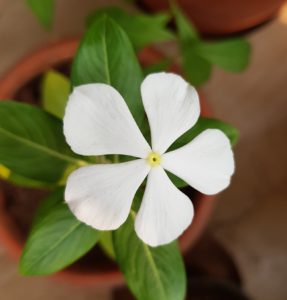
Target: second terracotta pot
[{"x": 222, "y": 17}]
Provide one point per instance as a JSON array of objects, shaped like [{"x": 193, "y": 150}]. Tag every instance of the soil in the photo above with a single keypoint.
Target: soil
[{"x": 21, "y": 204}]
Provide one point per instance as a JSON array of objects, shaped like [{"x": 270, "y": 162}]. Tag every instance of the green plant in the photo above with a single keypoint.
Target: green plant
[
  {"x": 34, "y": 152},
  {"x": 198, "y": 55},
  {"x": 43, "y": 10}
]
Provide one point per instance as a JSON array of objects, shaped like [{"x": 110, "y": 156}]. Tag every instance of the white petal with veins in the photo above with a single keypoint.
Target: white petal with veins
[
  {"x": 101, "y": 195},
  {"x": 165, "y": 211},
  {"x": 206, "y": 163},
  {"x": 98, "y": 122},
  {"x": 172, "y": 107}
]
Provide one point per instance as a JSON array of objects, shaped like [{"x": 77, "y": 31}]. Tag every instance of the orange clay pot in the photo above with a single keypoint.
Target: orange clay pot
[
  {"x": 24, "y": 72},
  {"x": 222, "y": 17}
]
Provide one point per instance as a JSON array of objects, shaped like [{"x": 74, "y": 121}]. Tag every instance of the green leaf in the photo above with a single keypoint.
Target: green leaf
[
  {"x": 186, "y": 30},
  {"x": 55, "y": 93},
  {"x": 196, "y": 68},
  {"x": 231, "y": 55},
  {"x": 151, "y": 273},
  {"x": 142, "y": 29},
  {"x": 57, "y": 238},
  {"x": 178, "y": 182},
  {"x": 106, "y": 55},
  {"x": 203, "y": 124},
  {"x": 16, "y": 179},
  {"x": 198, "y": 56},
  {"x": 26, "y": 182},
  {"x": 32, "y": 144},
  {"x": 43, "y": 10},
  {"x": 138, "y": 197},
  {"x": 106, "y": 243},
  {"x": 159, "y": 66}
]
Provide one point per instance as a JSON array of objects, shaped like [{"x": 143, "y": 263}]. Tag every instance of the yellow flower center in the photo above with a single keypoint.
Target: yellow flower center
[{"x": 154, "y": 159}]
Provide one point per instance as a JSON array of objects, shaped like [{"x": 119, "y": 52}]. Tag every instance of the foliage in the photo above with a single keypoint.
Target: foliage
[
  {"x": 151, "y": 273},
  {"x": 55, "y": 93},
  {"x": 198, "y": 56},
  {"x": 107, "y": 56},
  {"x": 32, "y": 143},
  {"x": 207, "y": 123},
  {"x": 57, "y": 238},
  {"x": 142, "y": 29},
  {"x": 43, "y": 10},
  {"x": 33, "y": 150}
]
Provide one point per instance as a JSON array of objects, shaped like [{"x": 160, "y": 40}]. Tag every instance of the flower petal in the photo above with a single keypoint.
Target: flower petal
[
  {"x": 165, "y": 211},
  {"x": 172, "y": 107},
  {"x": 206, "y": 163},
  {"x": 101, "y": 195},
  {"x": 97, "y": 121}
]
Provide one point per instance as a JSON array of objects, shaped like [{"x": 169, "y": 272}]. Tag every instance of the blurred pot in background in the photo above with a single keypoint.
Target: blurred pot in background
[{"x": 222, "y": 17}]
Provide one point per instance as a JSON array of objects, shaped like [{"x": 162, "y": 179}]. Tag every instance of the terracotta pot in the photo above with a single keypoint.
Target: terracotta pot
[
  {"x": 26, "y": 71},
  {"x": 222, "y": 17}
]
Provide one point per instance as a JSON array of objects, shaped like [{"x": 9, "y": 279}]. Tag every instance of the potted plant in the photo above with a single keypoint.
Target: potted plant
[
  {"x": 34, "y": 153},
  {"x": 52, "y": 87}
]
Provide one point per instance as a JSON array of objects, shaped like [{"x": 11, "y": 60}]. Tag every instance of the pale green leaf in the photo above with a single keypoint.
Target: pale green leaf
[{"x": 55, "y": 91}]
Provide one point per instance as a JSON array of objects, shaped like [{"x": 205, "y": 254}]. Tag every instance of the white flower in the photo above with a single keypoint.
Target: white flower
[{"x": 98, "y": 122}]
